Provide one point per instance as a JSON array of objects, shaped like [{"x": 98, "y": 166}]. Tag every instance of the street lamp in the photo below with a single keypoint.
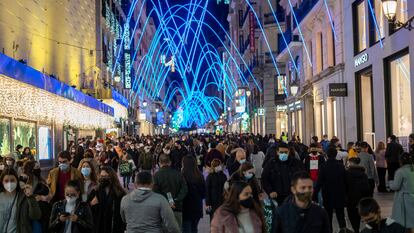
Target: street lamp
[
  {"x": 294, "y": 89},
  {"x": 390, "y": 11},
  {"x": 117, "y": 78},
  {"x": 156, "y": 110},
  {"x": 228, "y": 109},
  {"x": 248, "y": 93},
  {"x": 144, "y": 104}
]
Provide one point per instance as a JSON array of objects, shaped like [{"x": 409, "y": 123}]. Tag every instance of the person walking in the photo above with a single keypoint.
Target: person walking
[
  {"x": 58, "y": 177},
  {"x": 257, "y": 159},
  {"x": 246, "y": 173},
  {"x": 71, "y": 215},
  {"x": 146, "y": 160},
  {"x": 367, "y": 161},
  {"x": 392, "y": 154},
  {"x": 125, "y": 170},
  {"x": 298, "y": 213},
  {"x": 145, "y": 211},
  {"x": 278, "y": 172},
  {"x": 105, "y": 202},
  {"x": 239, "y": 213},
  {"x": 89, "y": 179},
  {"x": 381, "y": 165},
  {"x": 215, "y": 187},
  {"x": 171, "y": 184},
  {"x": 193, "y": 201},
  {"x": 18, "y": 207},
  {"x": 177, "y": 154},
  {"x": 331, "y": 179},
  {"x": 357, "y": 187},
  {"x": 370, "y": 213},
  {"x": 403, "y": 185},
  {"x": 237, "y": 158}
]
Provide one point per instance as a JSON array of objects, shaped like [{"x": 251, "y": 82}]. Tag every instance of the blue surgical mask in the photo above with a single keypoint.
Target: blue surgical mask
[
  {"x": 242, "y": 161},
  {"x": 283, "y": 156},
  {"x": 248, "y": 176},
  {"x": 86, "y": 171},
  {"x": 63, "y": 166}
]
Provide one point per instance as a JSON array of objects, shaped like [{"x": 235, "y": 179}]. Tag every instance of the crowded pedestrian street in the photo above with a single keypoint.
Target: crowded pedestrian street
[{"x": 206, "y": 116}]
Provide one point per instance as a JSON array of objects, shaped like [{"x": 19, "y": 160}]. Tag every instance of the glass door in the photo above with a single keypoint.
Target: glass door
[{"x": 365, "y": 107}]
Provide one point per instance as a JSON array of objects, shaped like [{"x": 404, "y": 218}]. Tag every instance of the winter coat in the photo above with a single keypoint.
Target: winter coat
[
  {"x": 403, "y": 206},
  {"x": 393, "y": 152},
  {"x": 331, "y": 180},
  {"x": 254, "y": 184},
  {"x": 226, "y": 222},
  {"x": 177, "y": 157},
  {"x": 367, "y": 161},
  {"x": 387, "y": 226},
  {"x": 357, "y": 186},
  {"x": 215, "y": 190},
  {"x": 257, "y": 161},
  {"x": 106, "y": 215},
  {"x": 232, "y": 164},
  {"x": 168, "y": 180},
  {"x": 193, "y": 201},
  {"x": 84, "y": 224},
  {"x": 277, "y": 175},
  {"x": 306, "y": 161},
  {"x": 144, "y": 211},
  {"x": 53, "y": 179},
  {"x": 289, "y": 218}
]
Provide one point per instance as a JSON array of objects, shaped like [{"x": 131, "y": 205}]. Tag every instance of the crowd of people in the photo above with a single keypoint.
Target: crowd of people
[{"x": 245, "y": 183}]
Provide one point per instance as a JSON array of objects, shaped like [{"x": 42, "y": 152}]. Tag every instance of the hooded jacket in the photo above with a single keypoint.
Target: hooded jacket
[
  {"x": 357, "y": 185},
  {"x": 147, "y": 212}
]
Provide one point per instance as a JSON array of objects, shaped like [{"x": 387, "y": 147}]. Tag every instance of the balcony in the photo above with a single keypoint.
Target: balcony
[
  {"x": 304, "y": 8},
  {"x": 270, "y": 19},
  {"x": 291, "y": 40}
]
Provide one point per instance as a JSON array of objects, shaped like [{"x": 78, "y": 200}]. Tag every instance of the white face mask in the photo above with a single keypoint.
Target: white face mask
[
  {"x": 10, "y": 186},
  {"x": 2, "y": 167},
  {"x": 9, "y": 162},
  {"x": 71, "y": 200},
  {"x": 218, "y": 169}
]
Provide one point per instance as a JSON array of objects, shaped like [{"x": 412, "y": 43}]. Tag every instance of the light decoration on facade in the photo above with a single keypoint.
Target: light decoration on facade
[
  {"x": 23, "y": 101},
  {"x": 127, "y": 58},
  {"x": 107, "y": 15}
]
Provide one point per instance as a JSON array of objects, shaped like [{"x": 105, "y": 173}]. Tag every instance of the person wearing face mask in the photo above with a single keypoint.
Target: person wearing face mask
[
  {"x": 298, "y": 213},
  {"x": 105, "y": 201},
  {"x": 237, "y": 158},
  {"x": 313, "y": 163},
  {"x": 77, "y": 153},
  {"x": 58, "y": 177},
  {"x": 9, "y": 161},
  {"x": 332, "y": 182},
  {"x": 246, "y": 173},
  {"x": 18, "y": 206},
  {"x": 71, "y": 215},
  {"x": 31, "y": 176},
  {"x": 89, "y": 179},
  {"x": 89, "y": 156},
  {"x": 146, "y": 160},
  {"x": 177, "y": 155},
  {"x": 239, "y": 213},
  {"x": 278, "y": 172},
  {"x": 212, "y": 153},
  {"x": 370, "y": 213},
  {"x": 215, "y": 187},
  {"x": 18, "y": 153}
]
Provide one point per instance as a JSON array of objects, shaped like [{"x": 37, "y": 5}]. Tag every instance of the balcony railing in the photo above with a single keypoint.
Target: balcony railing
[
  {"x": 288, "y": 37},
  {"x": 304, "y": 8}
]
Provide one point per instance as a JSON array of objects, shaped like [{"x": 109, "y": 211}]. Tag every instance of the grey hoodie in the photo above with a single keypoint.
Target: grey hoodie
[{"x": 147, "y": 212}]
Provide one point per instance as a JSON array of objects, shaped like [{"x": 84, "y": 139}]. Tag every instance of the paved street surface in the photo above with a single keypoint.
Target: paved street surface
[{"x": 385, "y": 201}]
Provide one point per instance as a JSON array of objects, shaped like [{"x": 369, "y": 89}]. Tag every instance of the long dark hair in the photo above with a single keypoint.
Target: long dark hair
[
  {"x": 115, "y": 185},
  {"x": 407, "y": 158},
  {"x": 9, "y": 172},
  {"x": 93, "y": 175},
  {"x": 232, "y": 202},
  {"x": 28, "y": 169},
  {"x": 190, "y": 170}
]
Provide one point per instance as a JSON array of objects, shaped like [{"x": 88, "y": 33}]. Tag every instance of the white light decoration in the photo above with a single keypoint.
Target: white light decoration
[{"x": 23, "y": 101}]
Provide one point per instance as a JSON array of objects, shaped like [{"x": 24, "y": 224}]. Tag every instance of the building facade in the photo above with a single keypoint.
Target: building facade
[{"x": 379, "y": 66}]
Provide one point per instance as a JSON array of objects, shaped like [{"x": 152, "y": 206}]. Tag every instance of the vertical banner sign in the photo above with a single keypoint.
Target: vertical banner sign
[
  {"x": 252, "y": 30},
  {"x": 127, "y": 58}
]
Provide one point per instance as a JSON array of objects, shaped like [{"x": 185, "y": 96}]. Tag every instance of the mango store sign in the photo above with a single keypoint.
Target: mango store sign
[{"x": 362, "y": 59}]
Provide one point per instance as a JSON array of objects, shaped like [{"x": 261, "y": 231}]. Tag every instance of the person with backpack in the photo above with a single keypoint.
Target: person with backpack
[
  {"x": 357, "y": 187},
  {"x": 125, "y": 170}
]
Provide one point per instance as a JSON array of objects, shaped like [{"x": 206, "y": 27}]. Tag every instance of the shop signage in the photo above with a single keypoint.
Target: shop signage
[
  {"x": 361, "y": 59},
  {"x": 338, "y": 89},
  {"x": 281, "y": 108},
  {"x": 252, "y": 27},
  {"x": 261, "y": 111}
]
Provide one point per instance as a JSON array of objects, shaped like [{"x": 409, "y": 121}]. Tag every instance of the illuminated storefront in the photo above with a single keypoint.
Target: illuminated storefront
[{"x": 35, "y": 110}]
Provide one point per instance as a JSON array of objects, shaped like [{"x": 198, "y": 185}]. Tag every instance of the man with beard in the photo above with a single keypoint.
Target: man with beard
[{"x": 298, "y": 213}]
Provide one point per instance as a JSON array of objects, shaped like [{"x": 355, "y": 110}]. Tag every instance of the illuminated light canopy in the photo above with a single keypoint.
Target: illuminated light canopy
[{"x": 39, "y": 105}]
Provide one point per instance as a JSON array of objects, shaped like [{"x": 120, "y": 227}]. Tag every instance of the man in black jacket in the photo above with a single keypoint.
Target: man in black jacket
[
  {"x": 177, "y": 155},
  {"x": 298, "y": 214},
  {"x": 331, "y": 179},
  {"x": 277, "y": 174},
  {"x": 392, "y": 155},
  {"x": 171, "y": 184}
]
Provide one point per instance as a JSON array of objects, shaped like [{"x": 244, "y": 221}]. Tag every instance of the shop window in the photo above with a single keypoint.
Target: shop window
[
  {"x": 319, "y": 53},
  {"x": 399, "y": 97},
  {"x": 360, "y": 34},
  {"x": 4, "y": 136},
  {"x": 402, "y": 11},
  {"x": 376, "y": 27},
  {"x": 24, "y": 133},
  {"x": 365, "y": 107},
  {"x": 45, "y": 143},
  {"x": 331, "y": 47}
]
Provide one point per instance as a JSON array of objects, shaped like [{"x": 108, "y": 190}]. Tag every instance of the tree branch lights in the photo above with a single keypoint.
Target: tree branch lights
[{"x": 183, "y": 31}]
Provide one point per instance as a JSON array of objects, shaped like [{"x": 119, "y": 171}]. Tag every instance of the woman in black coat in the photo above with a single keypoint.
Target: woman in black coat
[
  {"x": 105, "y": 203},
  {"x": 71, "y": 212},
  {"x": 193, "y": 201},
  {"x": 215, "y": 187}
]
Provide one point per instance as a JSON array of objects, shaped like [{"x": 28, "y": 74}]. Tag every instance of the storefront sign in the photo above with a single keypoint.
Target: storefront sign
[
  {"x": 261, "y": 111},
  {"x": 281, "y": 108},
  {"x": 252, "y": 28},
  {"x": 298, "y": 105},
  {"x": 338, "y": 89},
  {"x": 361, "y": 59}
]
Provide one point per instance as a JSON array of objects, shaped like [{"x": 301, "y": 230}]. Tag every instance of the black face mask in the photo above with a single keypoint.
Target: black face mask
[
  {"x": 104, "y": 182},
  {"x": 304, "y": 197},
  {"x": 247, "y": 203}
]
